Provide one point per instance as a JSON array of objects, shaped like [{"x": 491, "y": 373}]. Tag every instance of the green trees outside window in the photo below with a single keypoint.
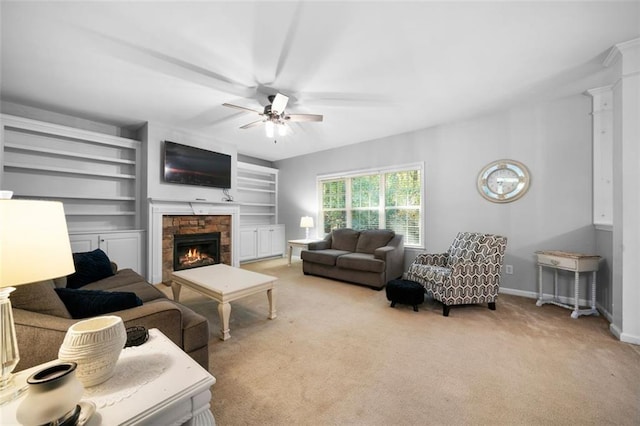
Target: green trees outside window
[{"x": 391, "y": 200}]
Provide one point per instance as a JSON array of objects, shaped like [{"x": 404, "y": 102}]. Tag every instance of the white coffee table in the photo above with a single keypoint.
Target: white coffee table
[
  {"x": 155, "y": 383},
  {"x": 224, "y": 284}
]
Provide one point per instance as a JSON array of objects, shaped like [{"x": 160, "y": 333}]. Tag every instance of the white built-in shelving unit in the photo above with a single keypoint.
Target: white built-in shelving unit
[
  {"x": 257, "y": 194},
  {"x": 96, "y": 176},
  {"x": 260, "y": 234}
]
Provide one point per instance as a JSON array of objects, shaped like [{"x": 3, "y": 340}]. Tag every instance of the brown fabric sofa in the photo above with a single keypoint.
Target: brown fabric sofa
[
  {"x": 42, "y": 320},
  {"x": 371, "y": 257}
]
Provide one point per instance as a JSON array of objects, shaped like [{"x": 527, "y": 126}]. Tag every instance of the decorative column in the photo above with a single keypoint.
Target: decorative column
[{"x": 624, "y": 60}]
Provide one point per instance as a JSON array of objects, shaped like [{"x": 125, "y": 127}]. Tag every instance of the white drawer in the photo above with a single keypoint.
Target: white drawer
[
  {"x": 558, "y": 262},
  {"x": 581, "y": 263}
]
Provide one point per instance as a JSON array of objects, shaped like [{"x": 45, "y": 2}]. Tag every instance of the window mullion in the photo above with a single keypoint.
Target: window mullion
[
  {"x": 382, "y": 207},
  {"x": 348, "y": 200}
]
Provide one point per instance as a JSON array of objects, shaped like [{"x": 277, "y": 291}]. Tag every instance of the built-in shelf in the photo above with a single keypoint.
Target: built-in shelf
[
  {"x": 67, "y": 171},
  {"x": 71, "y": 197},
  {"x": 96, "y": 176},
  {"x": 68, "y": 154},
  {"x": 271, "y": 191},
  {"x": 258, "y": 204},
  {"x": 260, "y": 234},
  {"x": 100, "y": 213}
]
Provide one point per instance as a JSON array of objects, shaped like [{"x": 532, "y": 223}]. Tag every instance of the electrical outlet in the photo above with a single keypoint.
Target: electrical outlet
[{"x": 508, "y": 269}]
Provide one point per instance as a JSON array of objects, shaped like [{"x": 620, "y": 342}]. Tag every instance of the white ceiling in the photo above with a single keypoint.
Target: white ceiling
[{"x": 372, "y": 69}]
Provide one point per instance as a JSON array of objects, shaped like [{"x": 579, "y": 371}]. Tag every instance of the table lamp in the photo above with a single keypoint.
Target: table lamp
[
  {"x": 34, "y": 246},
  {"x": 306, "y": 222}
]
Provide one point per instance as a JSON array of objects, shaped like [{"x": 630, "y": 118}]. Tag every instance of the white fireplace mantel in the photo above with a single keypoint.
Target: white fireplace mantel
[{"x": 159, "y": 208}]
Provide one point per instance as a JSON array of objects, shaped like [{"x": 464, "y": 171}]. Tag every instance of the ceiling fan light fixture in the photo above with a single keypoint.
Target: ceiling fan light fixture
[
  {"x": 282, "y": 129},
  {"x": 268, "y": 128}
]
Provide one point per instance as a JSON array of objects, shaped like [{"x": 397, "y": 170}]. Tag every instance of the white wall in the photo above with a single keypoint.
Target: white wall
[{"x": 553, "y": 139}]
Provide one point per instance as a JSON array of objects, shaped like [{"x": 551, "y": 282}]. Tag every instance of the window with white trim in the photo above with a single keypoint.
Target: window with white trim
[{"x": 374, "y": 199}]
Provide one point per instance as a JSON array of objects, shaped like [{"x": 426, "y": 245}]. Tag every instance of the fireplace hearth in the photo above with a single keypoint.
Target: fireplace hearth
[{"x": 195, "y": 250}]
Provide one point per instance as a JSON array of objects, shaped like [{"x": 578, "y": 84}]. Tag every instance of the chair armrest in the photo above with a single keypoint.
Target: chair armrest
[
  {"x": 490, "y": 272},
  {"x": 435, "y": 259}
]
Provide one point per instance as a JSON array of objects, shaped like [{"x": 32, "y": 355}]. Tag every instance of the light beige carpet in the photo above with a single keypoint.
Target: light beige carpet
[{"x": 339, "y": 355}]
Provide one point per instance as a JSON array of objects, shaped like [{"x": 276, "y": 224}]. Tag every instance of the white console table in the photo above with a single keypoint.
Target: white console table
[
  {"x": 573, "y": 262},
  {"x": 154, "y": 383}
]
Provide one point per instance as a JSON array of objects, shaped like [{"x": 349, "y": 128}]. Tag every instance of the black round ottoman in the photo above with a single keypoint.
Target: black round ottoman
[{"x": 405, "y": 292}]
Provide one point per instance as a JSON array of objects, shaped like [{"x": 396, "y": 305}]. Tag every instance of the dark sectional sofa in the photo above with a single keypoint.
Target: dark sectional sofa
[{"x": 370, "y": 258}]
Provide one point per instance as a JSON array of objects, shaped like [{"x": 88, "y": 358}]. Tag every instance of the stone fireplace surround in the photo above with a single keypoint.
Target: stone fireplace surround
[{"x": 159, "y": 209}]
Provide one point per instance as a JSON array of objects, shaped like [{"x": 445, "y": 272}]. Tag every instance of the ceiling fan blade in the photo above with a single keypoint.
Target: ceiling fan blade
[
  {"x": 252, "y": 124},
  {"x": 279, "y": 103},
  {"x": 169, "y": 65},
  {"x": 303, "y": 117},
  {"x": 242, "y": 108}
]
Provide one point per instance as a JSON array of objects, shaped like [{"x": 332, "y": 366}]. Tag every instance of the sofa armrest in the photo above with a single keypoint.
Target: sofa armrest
[
  {"x": 320, "y": 245},
  {"x": 161, "y": 314},
  {"x": 49, "y": 331},
  {"x": 393, "y": 256},
  {"x": 39, "y": 336}
]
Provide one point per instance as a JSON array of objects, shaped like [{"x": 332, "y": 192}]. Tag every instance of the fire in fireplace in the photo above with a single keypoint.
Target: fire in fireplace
[{"x": 195, "y": 250}]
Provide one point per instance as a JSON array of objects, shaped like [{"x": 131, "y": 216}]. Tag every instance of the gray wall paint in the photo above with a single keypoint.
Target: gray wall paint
[
  {"x": 553, "y": 139},
  {"x": 605, "y": 293}
]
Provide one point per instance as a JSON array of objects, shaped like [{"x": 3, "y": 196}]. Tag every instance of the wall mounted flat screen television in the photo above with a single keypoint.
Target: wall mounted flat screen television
[{"x": 189, "y": 165}]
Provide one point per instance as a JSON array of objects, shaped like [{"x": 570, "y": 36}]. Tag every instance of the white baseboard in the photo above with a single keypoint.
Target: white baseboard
[
  {"x": 623, "y": 337},
  {"x": 534, "y": 295}
]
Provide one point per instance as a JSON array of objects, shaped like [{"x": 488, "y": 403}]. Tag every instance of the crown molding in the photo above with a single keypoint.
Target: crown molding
[{"x": 619, "y": 50}]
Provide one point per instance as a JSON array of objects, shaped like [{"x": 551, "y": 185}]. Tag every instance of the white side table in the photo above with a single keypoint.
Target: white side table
[
  {"x": 154, "y": 383},
  {"x": 573, "y": 262},
  {"x": 302, "y": 244}
]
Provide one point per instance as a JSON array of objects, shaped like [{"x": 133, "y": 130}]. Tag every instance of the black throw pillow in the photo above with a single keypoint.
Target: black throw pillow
[
  {"x": 90, "y": 266},
  {"x": 89, "y": 303}
]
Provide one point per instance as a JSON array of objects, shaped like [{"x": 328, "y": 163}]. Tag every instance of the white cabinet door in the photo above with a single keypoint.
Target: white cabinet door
[
  {"x": 261, "y": 241},
  {"x": 264, "y": 240},
  {"x": 83, "y": 243},
  {"x": 277, "y": 240},
  {"x": 248, "y": 243},
  {"x": 123, "y": 248}
]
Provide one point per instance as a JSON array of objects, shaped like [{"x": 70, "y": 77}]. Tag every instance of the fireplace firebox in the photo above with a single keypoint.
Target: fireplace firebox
[{"x": 195, "y": 250}]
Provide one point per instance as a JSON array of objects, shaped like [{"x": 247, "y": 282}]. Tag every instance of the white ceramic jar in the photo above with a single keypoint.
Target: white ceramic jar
[{"x": 95, "y": 345}]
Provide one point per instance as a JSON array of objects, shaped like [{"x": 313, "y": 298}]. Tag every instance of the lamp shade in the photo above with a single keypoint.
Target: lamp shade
[
  {"x": 34, "y": 242},
  {"x": 306, "y": 222}
]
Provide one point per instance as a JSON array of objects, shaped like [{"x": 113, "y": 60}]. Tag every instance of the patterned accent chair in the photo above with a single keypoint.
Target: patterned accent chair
[{"x": 466, "y": 274}]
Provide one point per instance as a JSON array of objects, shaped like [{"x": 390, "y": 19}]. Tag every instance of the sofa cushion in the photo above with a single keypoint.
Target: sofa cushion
[
  {"x": 324, "y": 257},
  {"x": 39, "y": 297},
  {"x": 344, "y": 239},
  {"x": 88, "y": 303},
  {"x": 360, "y": 262},
  {"x": 371, "y": 239},
  {"x": 90, "y": 266},
  {"x": 128, "y": 280}
]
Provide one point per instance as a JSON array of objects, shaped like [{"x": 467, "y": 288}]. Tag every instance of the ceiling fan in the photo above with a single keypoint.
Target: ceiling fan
[{"x": 274, "y": 115}]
